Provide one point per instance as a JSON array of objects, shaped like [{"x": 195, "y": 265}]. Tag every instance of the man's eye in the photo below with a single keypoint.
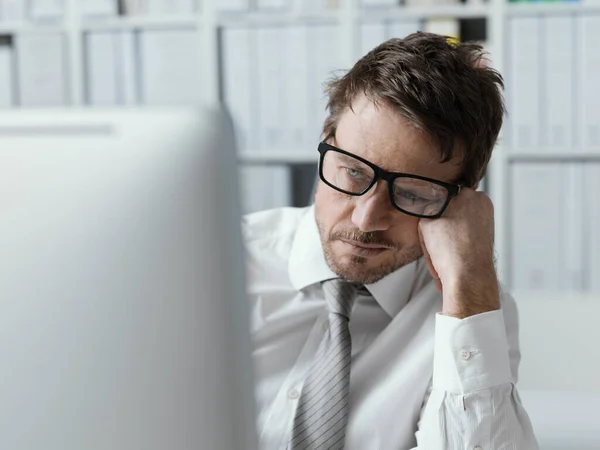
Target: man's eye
[
  {"x": 411, "y": 196},
  {"x": 354, "y": 173}
]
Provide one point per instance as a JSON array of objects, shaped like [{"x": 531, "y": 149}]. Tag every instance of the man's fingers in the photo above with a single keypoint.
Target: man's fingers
[{"x": 432, "y": 271}]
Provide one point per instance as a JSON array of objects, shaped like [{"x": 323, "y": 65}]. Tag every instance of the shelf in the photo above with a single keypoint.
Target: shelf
[
  {"x": 26, "y": 28},
  {"x": 277, "y": 18},
  {"x": 556, "y": 296},
  {"x": 461, "y": 11},
  {"x": 554, "y": 156},
  {"x": 296, "y": 157},
  {"x": 537, "y": 8},
  {"x": 140, "y": 22}
]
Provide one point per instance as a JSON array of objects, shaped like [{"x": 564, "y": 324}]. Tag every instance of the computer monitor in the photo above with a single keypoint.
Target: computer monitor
[{"x": 123, "y": 321}]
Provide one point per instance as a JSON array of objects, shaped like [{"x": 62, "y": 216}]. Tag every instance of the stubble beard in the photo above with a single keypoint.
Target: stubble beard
[{"x": 357, "y": 269}]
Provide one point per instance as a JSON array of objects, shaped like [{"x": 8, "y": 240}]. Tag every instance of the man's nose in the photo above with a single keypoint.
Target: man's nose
[{"x": 373, "y": 210}]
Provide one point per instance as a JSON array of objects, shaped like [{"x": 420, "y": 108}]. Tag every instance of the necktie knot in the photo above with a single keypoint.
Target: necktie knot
[{"x": 340, "y": 296}]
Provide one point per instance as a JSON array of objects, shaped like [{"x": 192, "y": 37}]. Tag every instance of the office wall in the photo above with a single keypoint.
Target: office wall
[{"x": 559, "y": 342}]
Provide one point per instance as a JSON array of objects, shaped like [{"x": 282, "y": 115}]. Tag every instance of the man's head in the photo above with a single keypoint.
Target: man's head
[{"x": 420, "y": 106}]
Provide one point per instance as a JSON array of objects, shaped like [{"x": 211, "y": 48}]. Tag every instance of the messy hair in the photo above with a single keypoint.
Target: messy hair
[{"x": 445, "y": 89}]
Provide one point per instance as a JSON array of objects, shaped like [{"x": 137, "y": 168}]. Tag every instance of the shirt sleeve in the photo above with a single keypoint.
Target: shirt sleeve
[{"x": 472, "y": 402}]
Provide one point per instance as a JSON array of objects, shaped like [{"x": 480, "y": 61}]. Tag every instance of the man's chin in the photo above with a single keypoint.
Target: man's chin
[
  {"x": 358, "y": 269},
  {"x": 368, "y": 270}
]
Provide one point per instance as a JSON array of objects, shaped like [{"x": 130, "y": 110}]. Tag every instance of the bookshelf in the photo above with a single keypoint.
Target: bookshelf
[
  {"x": 21, "y": 28},
  {"x": 207, "y": 23}
]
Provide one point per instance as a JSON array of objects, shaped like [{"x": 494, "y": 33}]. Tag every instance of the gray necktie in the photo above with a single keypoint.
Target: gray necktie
[{"x": 322, "y": 413}]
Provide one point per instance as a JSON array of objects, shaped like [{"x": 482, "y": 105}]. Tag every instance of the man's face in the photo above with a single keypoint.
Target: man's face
[{"x": 364, "y": 237}]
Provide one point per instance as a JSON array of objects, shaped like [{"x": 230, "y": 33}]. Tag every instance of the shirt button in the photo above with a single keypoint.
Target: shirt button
[
  {"x": 325, "y": 325},
  {"x": 465, "y": 355},
  {"x": 478, "y": 448},
  {"x": 293, "y": 394}
]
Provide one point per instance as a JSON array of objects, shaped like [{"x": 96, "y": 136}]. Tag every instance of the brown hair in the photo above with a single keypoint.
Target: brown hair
[{"x": 442, "y": 88}]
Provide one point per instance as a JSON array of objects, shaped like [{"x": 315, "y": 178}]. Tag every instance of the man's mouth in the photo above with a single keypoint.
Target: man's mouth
[{"x": 362, "y": 249}]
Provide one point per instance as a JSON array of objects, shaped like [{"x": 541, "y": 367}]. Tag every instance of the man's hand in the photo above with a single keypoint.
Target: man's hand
[{"x": 459, "y": 251}]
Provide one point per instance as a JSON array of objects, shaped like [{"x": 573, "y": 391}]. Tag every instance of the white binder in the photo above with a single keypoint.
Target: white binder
[
  {"x": 239, "y": 70},
  {"x": 265, "y": 187},
  {"x": 100, "y": 8},
  {"x": 572, "y": 207},
  {"x": 46, "y": 9},
  {"x": 127, "y": 67},
  {"x": 271, "y": 89},
  {"x": 13, "y": 10},
  {"x": 296, "y": 103},
  {"x": 273, "y": 4},
  {"x": 41, "y": 69},
  {"x": 401, "y": 29},
  {"x": 523, "y": 83},
  {"x": 592, "y": 225},
  {"x": 158, "y": 7},
  {"x": 557, "y": 99},
  {"x": 101, "y": 68},
  {"x": 588, "y": 44},
  {"x": 6, "y": 76},
  {"x": 375, "y": 3},
  {"x": 135, "y": 7},
  {"x": 233, "y": 5},
  {"x": 444, "y": 26},
  {"x": 371, "y": 35},
  {"x": 324, "y": 64},
  {"x": 313, "y": 6},
  {"x": 536, "y": 215},
  {"x": 170, "y": 67}
]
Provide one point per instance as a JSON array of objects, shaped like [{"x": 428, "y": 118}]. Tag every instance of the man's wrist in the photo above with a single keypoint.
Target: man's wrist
[{"x": 472, "y": 294}]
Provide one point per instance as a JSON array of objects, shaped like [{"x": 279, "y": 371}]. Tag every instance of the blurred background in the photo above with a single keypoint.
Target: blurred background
[{"x": 268, "y": 60}]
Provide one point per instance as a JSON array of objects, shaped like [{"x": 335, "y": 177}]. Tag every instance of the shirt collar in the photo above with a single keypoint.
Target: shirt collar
[{"x": 307, "y": 265}]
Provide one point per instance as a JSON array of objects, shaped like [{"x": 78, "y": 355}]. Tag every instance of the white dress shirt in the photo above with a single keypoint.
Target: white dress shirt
[{"x": 418, "y": 380}]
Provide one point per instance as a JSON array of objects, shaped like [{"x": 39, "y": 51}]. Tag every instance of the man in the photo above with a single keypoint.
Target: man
[{"x": 378, "y": 321}]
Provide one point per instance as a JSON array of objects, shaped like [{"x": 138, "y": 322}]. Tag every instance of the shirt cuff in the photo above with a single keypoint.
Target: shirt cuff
[{"x": 470, "y": 354}]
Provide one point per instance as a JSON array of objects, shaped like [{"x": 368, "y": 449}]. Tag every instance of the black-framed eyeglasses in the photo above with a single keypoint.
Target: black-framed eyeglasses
[{"x": 412, "y": 194}]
